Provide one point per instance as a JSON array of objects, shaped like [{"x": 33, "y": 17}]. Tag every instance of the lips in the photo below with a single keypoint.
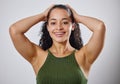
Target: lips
[{"x": 59, "y": 34}]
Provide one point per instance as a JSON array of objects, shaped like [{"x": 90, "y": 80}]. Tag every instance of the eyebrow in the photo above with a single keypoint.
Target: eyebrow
[{"x": 62, "y": 19}]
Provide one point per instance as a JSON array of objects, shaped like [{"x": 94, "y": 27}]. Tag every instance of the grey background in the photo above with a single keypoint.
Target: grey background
[{"x": 15, "y": 70}]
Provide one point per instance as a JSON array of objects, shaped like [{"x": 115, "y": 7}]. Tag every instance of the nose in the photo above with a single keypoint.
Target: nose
[{"x": 59, "y": 27}]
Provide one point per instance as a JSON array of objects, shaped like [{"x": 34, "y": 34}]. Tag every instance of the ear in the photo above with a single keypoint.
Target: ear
[{"x": 73, "y": 26}]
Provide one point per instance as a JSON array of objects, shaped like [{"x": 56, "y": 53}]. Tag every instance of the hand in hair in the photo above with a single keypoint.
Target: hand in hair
[
  {"x": 45, "y": 13},
  {"x": 75, "y": 14}
]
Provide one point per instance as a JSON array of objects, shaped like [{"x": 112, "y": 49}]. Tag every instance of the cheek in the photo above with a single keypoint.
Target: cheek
[
  {"x": 50, "y": 29},
  {"x": 69, "y": 28}
]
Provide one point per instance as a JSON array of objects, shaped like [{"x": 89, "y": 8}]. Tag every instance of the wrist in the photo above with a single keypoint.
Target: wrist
[
  {"x": 78, "y": 18},
  {"x": 42, "y": 16}
]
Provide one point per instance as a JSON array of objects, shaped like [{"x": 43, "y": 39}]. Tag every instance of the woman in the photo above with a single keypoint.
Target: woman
[{"x": 61, "y": 57}]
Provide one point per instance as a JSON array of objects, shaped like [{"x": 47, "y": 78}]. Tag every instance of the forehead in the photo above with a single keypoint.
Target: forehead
[{"x": 59, "y": 13}]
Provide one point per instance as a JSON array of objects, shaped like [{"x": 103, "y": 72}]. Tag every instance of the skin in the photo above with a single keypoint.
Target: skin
[{"x": 59, "y": 27}]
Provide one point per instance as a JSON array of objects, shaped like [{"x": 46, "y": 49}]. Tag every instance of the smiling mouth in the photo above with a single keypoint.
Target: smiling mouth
[{"x": 59, "y": 34}]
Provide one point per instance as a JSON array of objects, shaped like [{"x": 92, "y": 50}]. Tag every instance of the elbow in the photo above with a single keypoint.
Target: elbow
[
  {"x": 12, "y": 30},
  {"x": 102, "y": 26}
]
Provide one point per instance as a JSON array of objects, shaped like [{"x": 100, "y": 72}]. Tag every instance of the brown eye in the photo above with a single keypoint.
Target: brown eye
[
  {"x": 65, "y": 23},
  {"x": 52, "y": 23}
]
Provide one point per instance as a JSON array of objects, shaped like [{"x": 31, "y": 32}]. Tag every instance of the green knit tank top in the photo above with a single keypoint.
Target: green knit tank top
[{"x": 63, "y": 70}]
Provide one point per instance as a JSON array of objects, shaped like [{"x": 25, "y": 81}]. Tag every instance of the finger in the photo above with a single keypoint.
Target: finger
[
  {"x": 69, "y": 6},
  {"x": 50, "y": 7}
]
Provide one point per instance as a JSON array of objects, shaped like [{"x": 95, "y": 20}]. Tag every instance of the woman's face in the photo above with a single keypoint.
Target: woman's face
[{"x": 59, "y": 25}]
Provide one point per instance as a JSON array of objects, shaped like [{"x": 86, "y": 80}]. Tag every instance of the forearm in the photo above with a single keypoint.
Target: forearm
[
  {"x": 92, "y": 23},
  {"x": 25, "y": 24}
]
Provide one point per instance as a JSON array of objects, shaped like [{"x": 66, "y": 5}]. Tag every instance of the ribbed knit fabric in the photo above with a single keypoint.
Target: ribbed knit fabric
[{"x": 63, "y": 70}]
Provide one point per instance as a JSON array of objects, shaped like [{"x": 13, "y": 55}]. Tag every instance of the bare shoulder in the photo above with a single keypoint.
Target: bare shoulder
[
  {"x": 81, "y": 58},
  {"x": 39, "y": 59},
  {"x": 79, "y": 55},
  {"x": 82, "y": 61}
]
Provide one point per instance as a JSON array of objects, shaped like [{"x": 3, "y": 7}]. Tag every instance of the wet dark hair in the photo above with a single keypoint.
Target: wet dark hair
[{"x": 75, "y": 37}]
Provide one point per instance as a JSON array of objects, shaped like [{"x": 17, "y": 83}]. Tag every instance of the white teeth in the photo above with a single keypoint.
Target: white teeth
[{"x": 59, "y": 34}]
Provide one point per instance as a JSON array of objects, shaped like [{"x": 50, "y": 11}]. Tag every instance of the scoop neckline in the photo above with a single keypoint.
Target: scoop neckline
[{"x": 49, "y": 52}]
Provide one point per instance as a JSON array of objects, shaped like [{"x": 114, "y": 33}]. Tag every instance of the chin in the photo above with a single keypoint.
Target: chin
[{"x": 60, "y": 40}]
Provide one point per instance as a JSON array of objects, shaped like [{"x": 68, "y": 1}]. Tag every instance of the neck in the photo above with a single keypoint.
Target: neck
[{"x": 61, "y": 48}]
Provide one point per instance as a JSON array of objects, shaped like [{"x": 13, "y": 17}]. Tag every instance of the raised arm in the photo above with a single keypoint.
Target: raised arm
[
  {"x": 17, "y": 32},
  {"x": 95, "y": 44}
]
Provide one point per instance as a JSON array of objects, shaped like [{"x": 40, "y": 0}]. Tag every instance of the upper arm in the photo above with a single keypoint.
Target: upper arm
[
  {"x": 95, "y": 44},
  {"x": 22, "y": 44}
]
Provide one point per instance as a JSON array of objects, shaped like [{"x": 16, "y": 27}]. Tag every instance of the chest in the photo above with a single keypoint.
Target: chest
[{"x": 60, "y": 71}]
